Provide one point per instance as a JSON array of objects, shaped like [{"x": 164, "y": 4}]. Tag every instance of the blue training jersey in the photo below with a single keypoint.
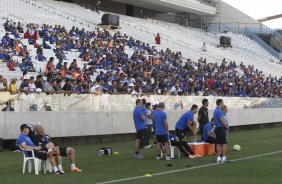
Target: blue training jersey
[
  {"x": 159, "y": 119},
  {"x": 217, "y": 114},
  {"x": 138, "y": 122},
  {"x": 182, "y": 122},
  {"x": 207, "y": 128}
]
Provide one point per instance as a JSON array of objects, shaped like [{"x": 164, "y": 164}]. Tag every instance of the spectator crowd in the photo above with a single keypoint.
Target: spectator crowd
[{"x": 107, "y": 68}]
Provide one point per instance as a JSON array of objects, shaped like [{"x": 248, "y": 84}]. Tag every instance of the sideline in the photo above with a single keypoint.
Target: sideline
[{"x": 191, "y": 168}]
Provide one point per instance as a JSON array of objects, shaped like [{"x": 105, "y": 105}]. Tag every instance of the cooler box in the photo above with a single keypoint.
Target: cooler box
[
  {"x": 209, "y": 149},
  {"x": 198, "y": 148}
]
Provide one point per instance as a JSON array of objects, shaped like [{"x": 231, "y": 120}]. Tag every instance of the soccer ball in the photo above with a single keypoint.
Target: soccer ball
[{"x": 236, "y": 147}]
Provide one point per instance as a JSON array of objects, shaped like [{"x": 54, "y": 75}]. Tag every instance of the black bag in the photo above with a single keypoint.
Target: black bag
[{"x": 105, "y": 151}]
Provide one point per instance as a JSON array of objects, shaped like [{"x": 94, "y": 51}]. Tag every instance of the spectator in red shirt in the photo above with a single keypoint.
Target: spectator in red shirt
[
  {"x": 34, "y": 36},
  {"x": 11, "y": 65},
  {"x": 27, "y": 34},
  {"x": 210, "y": 83},
  {"x": 158, "y": 39}
]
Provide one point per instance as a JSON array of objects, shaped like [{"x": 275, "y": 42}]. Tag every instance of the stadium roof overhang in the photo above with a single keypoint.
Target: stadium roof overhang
[{"x": 172, "y": 6}]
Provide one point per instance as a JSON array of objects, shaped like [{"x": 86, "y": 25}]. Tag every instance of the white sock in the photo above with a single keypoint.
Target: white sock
[
  {"x": 72, "y": 166},
  {"x": 55, "y": 169},
  {"x": 60, "y": 167},
  {"x": 223, "y": 158}
]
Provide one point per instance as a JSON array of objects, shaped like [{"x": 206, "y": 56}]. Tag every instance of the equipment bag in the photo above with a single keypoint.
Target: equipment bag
[{"x": 105, "y": 151}]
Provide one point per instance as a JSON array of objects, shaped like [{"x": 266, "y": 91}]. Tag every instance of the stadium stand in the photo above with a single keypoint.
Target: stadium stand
[{"x": 189, "y": 71}]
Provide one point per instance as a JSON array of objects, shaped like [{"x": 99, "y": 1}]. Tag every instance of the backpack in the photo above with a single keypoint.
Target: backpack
[{"x": 105, "y": 151}]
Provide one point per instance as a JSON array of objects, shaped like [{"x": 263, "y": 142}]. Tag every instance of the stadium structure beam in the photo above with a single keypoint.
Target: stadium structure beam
[{"x": 270, "y": 18}]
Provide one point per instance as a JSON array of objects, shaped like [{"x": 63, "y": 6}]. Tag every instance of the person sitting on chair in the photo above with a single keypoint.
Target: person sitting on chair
[
  {"x": 26, "y": 143},
  {"x": 43, "y": 139},
  {"x": 208, "y": 133},
  {"x": 186, "y": 123},
  {"x": 182, "y": 146}
]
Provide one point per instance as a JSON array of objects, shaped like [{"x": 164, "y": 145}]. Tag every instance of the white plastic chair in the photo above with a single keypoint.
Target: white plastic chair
[
  {"x": 29, "y": 159},
  {"x": 172, "y": 151}
]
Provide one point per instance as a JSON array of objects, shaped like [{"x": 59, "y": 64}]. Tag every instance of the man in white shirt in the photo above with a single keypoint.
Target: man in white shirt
[
  {"x": 149, "y": 126},
  {"x": 96, "y": 89},
  {"x": 204, "y": 47},
  {"x": 31, "y": 85},
  {"x": 225, "y": 110}
]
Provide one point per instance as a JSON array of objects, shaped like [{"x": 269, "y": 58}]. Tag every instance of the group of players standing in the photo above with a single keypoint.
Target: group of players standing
[{"x": 214, "y": 131}]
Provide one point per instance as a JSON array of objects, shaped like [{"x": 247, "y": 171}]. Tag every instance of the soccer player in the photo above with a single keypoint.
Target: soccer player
[
  {"x": 203, "y": 116},
  {"x": 220, "y": 132},
  {"x": 161, "y": 131},
  {"x": 140, "y": 126},
  {"x": 186, "y": 122}
]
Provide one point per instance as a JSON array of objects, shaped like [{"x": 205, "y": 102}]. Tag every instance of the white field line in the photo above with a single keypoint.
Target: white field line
[{"x": 190, "y": 168}]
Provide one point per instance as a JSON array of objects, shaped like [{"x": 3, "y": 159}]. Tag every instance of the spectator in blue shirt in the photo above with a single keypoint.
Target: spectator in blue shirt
[
  {"x": 220, "y": 131},
  {"x": 6, "y": 39},
  {"x": 40, "y": 57},
  {"x": 59, "y": 64},
  {"x": 161, "y": 131},
  {"x": 140, "y": 125},
  {"x": 45, "y": 45},
  {"x": 187, "y": 123}
]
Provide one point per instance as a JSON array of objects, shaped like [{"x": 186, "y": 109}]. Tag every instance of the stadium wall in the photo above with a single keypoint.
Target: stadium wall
[
  {"x": 113, "y": 103},
  {"x": 77, "y": 124}
]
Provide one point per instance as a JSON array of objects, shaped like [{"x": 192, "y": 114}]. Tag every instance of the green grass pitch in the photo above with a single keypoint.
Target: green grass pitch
[{"x": 260, "y": 170}]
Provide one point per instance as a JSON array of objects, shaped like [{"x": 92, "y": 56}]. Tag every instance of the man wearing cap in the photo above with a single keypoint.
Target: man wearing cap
[
  {"x": 103, "y": 62},
  {"x": 186, "y": 122},
  {"x": 161, "y": 131},
  {"x": 25, "y": 84},
  {"x": 26, "y": 144}
]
